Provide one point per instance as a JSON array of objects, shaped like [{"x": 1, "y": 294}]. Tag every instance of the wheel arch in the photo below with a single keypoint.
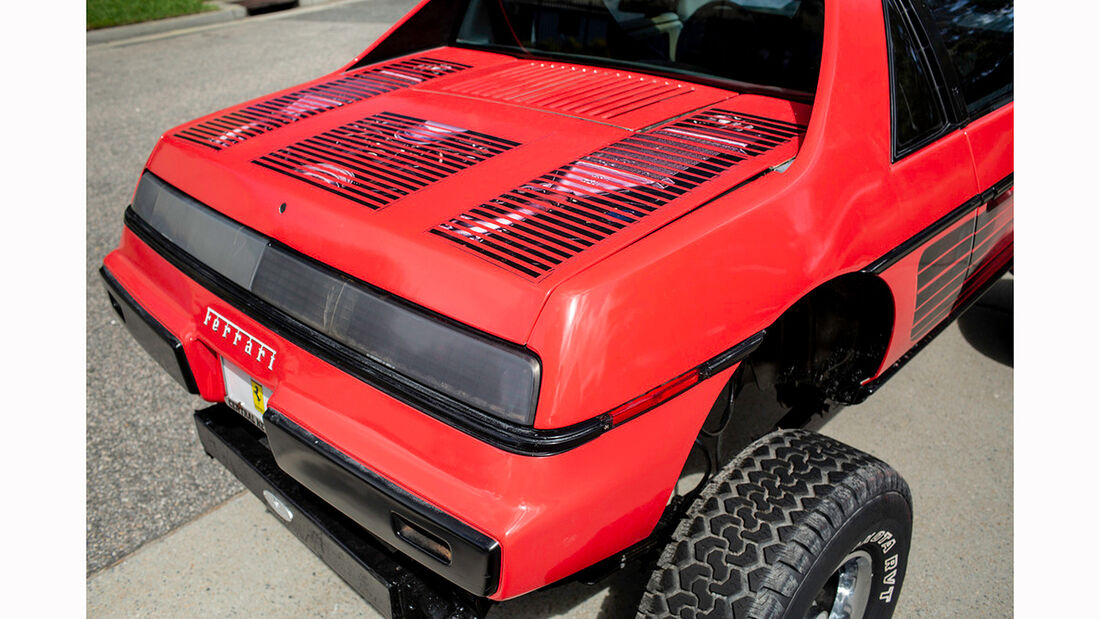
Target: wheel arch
[{"x": 812, "y": 360}]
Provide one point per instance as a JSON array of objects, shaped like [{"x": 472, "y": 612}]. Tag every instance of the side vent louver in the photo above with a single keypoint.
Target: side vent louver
[
  {"x": 537, "y": 226},
  {"x": 949, "y": 270},
  {"x": 252, "y": 120},
  {"x": 382, "y": 158}
]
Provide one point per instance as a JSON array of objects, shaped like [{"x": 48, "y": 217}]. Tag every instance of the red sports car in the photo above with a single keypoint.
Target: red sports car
[{"x": 472, "y": 306}]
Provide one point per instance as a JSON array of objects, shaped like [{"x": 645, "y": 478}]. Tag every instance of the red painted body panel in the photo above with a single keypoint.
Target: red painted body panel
[
  {"x": 552, "y": 515},
  {"x": 699, "y": 275},
  {"x": 616, "y": 97},
  {"x": 991, "y": 140}
]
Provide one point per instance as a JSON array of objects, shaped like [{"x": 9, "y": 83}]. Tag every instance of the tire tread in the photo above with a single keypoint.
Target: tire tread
[{"x": 770, "y": 512}]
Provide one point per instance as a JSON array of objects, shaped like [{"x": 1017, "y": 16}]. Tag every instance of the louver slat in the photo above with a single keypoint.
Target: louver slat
[
  {"x": 383, "y": 158},
  {"x": 584, "y": 91},
  {"x": 239, "y": 125},
  {"x": 533, "y": 228},
  {"x": 948, "y": 269}
]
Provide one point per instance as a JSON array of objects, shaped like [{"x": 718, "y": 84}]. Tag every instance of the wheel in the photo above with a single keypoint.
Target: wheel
[{"x": 797, "y": 525}]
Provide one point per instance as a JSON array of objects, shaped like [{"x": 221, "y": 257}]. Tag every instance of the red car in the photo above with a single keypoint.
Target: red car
[{"x": 478, "y": 308}]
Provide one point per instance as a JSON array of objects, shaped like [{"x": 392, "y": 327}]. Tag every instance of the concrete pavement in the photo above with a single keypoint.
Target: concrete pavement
[{"x": 945, "y": 421}]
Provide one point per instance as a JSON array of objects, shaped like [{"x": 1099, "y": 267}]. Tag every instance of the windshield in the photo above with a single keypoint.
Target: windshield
[{"x": 773, "y": 43}]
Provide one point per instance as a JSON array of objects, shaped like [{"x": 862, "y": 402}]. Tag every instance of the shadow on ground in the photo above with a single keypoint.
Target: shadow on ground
[
  {"x": 987, "y": 326},
  {"x": 624, "y": 592}
]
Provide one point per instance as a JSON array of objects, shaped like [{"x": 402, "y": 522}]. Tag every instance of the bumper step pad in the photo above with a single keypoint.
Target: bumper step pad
[{"x": 396, "y": 587}]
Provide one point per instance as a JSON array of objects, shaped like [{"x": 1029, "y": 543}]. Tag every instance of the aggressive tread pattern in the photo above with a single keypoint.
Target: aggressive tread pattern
[{"x": 755, "y": 530}]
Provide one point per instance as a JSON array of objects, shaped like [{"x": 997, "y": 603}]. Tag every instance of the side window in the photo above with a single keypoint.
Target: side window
[
  {"x": 978, "y": 38},
  {"x": 918, "y": 112}
]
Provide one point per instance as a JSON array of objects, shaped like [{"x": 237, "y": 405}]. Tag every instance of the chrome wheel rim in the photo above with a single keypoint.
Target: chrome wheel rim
[{"x": 845, "y": 594}]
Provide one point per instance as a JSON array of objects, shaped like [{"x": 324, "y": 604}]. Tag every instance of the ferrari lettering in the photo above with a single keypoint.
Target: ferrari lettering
[{"x": 253, "y": 347}]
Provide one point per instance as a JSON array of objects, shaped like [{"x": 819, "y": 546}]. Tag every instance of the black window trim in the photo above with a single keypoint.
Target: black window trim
[
  {"x": 941, "y": 83},
  {"x": 942, "y": 70}
]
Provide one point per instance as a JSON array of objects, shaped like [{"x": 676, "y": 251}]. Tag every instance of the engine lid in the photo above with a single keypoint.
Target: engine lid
[{"x": 473, "y": 183}]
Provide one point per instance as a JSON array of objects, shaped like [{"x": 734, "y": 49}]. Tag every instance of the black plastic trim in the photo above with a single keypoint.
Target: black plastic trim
[
  {"x": 390, "y": 581},
  {"x": 503, "y": 434},
  {"x": 941, "y": 224},
  {"x": 158, "y": 341},
  {"x": 370, "y": 500},
  {"x": 734, "y": 355},
  {"x": 922, "y": 237}
]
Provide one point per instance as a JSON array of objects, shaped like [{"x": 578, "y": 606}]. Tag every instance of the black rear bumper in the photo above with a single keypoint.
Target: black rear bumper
[
  {"x": 158, "y": 341},
  {"x": 389, "y": 581}
]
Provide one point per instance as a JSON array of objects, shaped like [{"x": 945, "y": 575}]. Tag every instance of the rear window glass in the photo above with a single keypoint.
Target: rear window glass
[
  {"x": 978, "y": 37},
  {"x": 764, "y": 42},
  {"x": 918, "y": 112}
]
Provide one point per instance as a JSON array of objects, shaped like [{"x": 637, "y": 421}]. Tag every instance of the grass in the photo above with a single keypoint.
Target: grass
[{"x": 104, "y": 13}]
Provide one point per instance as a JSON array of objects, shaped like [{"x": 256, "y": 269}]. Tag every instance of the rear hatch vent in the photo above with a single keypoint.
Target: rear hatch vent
[
  {"x": 382, "y": 158},
  {"x": 251, "y": 120},
  {"x": 581, "y": 91},
  {"x": 537, "y": 226}
]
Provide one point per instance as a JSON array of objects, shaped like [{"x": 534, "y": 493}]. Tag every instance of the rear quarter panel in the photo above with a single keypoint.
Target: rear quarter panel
[{"x": 721, "y": 273}]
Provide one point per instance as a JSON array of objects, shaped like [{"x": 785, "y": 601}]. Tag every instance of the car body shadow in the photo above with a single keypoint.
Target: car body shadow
[
  {"x": 618, "y": 596},
  {"x": 987, "y": 325}
]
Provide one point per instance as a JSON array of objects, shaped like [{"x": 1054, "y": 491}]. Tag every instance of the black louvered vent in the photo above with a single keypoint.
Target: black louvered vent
[
  {"x": 535, "y": 227},
  {"x": 951, "y": 268},
  {"x": 382, "y": 158},
  {"x": 247, "y": 122}
]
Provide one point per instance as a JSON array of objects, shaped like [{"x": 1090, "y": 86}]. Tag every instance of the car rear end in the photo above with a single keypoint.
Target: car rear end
[
  {"x": 360, "y": 273},
  {"x": 496, "y": 511}
]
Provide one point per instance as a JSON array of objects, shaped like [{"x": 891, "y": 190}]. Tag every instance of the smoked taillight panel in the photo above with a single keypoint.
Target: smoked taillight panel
[{"x": 406, "y": 345}]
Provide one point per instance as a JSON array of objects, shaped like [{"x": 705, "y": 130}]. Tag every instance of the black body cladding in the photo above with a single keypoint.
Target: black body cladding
[
  {"x": 395, "y": 585},
  {"x": 161, "y": 345},
  {"x": 371, "y": 501}
]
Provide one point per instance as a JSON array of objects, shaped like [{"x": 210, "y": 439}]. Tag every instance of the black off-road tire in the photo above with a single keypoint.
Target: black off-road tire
[{"x": 769, "y": 532}]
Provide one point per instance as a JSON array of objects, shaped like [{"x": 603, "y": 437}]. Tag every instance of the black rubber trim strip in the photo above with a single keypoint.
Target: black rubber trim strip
[
  {"x": 502, "y": 434},
  {"x": 731, "y": 356},
  {"x": 512, "y": 437},
  {"x": 371, "y": 500},
  {"x": 388, "y": 580},
  {"x": 864, "y": 391},
  {"x": 158, "y": 341},
  {"x": 941, "y": 224}
]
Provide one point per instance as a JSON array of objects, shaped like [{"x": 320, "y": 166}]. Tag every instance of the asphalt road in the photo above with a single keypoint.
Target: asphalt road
[
  {"x": 945, "y": 422},
  {"x": 146, "y": 471}
]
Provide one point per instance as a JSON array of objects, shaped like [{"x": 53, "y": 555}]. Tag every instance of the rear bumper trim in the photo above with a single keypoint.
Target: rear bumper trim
[
  {"x": 388, "y": 580},
  {"x": 162, "y": 346},
  {"x": 373, "y": 501}
]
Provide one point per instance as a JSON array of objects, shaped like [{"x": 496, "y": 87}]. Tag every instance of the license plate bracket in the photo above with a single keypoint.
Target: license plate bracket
[{"x": 245, "y": 394}]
